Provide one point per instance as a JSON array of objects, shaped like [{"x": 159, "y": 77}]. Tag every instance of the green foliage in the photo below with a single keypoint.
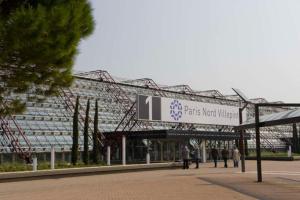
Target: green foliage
[
  {"x": 74, "y": 155},
  {"x": 9, "y": 167},
  {"x": 13, "y": 167},
  {"x": 86, "y": 135},
  {"x": 272, "y": 154},
  {"x": 96, "y": 144},
  {"x": 38, "y": 44}
]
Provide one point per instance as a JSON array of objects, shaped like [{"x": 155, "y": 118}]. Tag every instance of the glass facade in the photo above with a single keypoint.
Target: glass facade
[{"x": 49, "y": 122}]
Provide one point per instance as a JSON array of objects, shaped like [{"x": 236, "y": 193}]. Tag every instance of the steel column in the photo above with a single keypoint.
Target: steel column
[
  {"x": 148, "y": 157},
  {"x": 63, "y": 159},
  {"x": 123, "y": 150},
  {"x": 203, "y": 145},
  {"x": 295, "y": 140},
  {"x": 34, "y": 164},
  {"x": 258, "y": 153},
  {"x": 242, "y": 147}
]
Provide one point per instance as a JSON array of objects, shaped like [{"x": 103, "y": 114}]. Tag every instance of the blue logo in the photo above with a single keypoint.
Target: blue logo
[{"x": 176, "y": 110}]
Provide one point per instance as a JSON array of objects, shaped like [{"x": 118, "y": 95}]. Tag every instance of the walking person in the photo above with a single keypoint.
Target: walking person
[
  {"x": 185, "y": 157},
  {"x": 225, "y": 155},
  {"x": 236, "y": 157},
  {"x": 214, "y": 154},
  {"x": 197, "y": 156}
]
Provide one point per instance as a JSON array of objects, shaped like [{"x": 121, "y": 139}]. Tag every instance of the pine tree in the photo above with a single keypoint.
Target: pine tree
[
  {"x": 86, "y": 135},
  {"x": 75, "y": 134},
  {"x": 38, "y": 44},
  {"x": 96, "y": 145}
]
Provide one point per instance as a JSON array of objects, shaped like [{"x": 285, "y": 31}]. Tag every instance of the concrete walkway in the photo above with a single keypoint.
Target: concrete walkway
[{"x": 281, "y": 180}]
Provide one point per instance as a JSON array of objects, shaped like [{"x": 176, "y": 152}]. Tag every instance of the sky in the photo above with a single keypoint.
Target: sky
[{"x": 207, "y": 44}]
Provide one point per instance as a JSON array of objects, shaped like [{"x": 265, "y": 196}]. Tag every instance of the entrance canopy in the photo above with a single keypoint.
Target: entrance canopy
[
  {"x": 176, "y": 134},
  {"x": 280, "y": 118}
]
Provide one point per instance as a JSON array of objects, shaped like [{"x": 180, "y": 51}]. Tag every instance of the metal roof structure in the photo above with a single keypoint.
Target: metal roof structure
[
  {"x": 49, "y": 122},
  {"x": 280, "y": 118}
]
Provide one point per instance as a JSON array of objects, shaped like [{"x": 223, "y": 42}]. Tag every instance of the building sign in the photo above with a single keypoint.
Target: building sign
[{"x": 184, "y": 111}]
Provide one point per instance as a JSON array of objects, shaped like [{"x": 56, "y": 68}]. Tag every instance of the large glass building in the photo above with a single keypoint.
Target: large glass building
[{"x": 49, "y": 123}]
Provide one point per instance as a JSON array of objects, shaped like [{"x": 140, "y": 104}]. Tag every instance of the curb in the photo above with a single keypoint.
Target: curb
[{"x": 24, "y": 175}]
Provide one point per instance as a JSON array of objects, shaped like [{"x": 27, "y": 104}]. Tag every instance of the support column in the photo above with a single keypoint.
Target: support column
[
  {"x": 63, "y": 156},
  {"x": 148, "y": 153},
  {"x": 242, "y": 151},
  {"x": 290, "y": 151},
  {"x": 174, "y": 152},
  {"x": 298, "y": 142},
  {"x": 168, "y": 150},
  {"x": 161, "y": 151},
  {"x": 108, "y": 155},
  {"x": 246, "y": 147},
  {"x": 13, "y": 157},
  {"x": 45, "y": 156},
  {"x": 203, "y": 146},
  {"x": 258, "y": 152},
  {"x": 242, "y": 146},
  {"x": 1, "y": 158},
  {"x": 155, "y": 151},
  {"x": 132, "y": 150},
  {"x": 34, "y": 164},
  {"x": 148, "y": 157},
  {"x": 123, "y": 150},
  {"x": 52, "y": 157},
  {"x": 179, "y": 151},
  {"x": 295, "y": 140},
  {"x": 69, "y": 157}
]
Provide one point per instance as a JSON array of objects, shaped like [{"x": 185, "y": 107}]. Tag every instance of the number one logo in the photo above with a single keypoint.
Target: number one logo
[{"x": 149, "y": 102}]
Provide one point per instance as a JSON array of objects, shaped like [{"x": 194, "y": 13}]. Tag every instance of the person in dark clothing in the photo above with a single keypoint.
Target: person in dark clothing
[
  {"x": 225, "y": 155},
  {"x": 197, "y": 156},
  {"x": 185, "y": 157},
  {"x": 214, "y": 154}
]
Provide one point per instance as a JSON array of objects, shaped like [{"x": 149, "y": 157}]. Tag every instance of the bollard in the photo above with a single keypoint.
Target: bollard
[
  {"x": 123, "y": 150},
  {"x": 290, "y": 151},
  {"x": 52, "y": 157},
  {"x": 34, "y": 164},
  {"x": 148, "y": 158},
  {"x": 108, "y": 155},
  {"x": 203, "y": 145}
]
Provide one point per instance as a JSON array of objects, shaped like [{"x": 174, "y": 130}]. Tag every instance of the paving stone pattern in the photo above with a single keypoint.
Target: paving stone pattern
[{"x": 281, "y": 181}]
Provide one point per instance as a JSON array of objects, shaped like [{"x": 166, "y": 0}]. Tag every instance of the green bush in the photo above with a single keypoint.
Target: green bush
[
  {"x": 272, "y": 154},
  {"x": 13, "y": 167},
  {"x": 9, "y": 167}
]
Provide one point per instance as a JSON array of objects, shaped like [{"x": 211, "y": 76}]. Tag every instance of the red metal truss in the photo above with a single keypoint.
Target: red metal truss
[
  {"x": 14, "y": 138},
  {"x": 128, "y": 121},
  {"x": 69, "y": 99},
  {"x": 186, "y": 89},
  {"x": 151, "y": 84},
  {"x": 148, "y": 83}
]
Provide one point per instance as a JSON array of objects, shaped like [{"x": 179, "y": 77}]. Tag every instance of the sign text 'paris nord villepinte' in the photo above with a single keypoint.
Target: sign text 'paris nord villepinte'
[{"x": 183, "y": 111}]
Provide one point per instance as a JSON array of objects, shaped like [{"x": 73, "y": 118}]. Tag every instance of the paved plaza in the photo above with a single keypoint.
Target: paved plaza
[{"x": 281, "y": 180}]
